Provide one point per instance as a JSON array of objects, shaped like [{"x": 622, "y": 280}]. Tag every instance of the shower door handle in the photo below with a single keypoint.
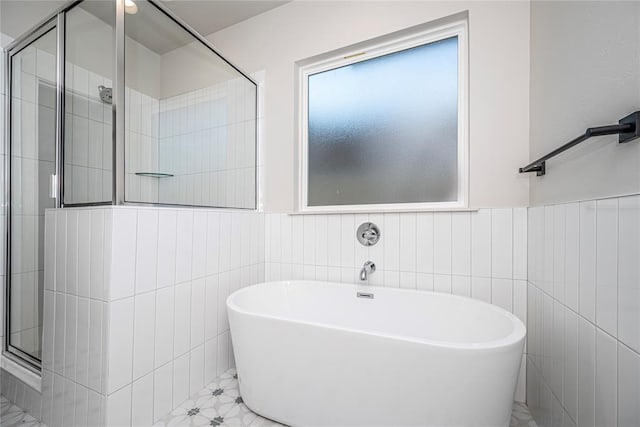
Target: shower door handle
[{"x": 53, "y": 186}]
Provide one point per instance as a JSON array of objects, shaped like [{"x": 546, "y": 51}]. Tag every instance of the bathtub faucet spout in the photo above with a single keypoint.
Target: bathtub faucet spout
[{"x": 367, "y": 269}]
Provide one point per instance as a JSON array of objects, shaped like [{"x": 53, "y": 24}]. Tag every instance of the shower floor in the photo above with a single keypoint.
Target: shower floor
[{"x": 220, "y": 404}]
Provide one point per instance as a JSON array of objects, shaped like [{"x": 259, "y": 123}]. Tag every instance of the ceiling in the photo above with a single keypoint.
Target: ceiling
[{"x": 205, "y": 16}]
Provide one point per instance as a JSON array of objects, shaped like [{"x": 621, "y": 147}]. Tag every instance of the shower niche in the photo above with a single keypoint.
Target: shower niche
[{"x": 114, "y": 102}]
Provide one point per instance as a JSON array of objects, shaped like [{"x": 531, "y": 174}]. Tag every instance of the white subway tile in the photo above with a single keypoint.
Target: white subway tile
[
  {"x": 196, "y": 371},
  {"x": 72, "y": 252},
  {"x": 120, "y": 344},
  {"x": 442, "y": 283},
  {"x": 391, "y": 233},
  {"x": 558, "y": 252},
  {"x": 606, "y": 395},
  {"x": 144, "y": 334},
  {"x": 557, "y": 349},
  {"x": 82, "y": 347},
  {"x": 548, "y": 254},
  {"x": 211, "y": 307},
  {"x": 166, "y": 248},
  {"x": 572, "y": 255},
  {"x": 142, "y": 401},
  {"x": 180, "y": 379},
  {"x": 119, "y": 407},
  {"x": 184, "y": 245},
  {"x": 59, "y": 329},
  {"x": 71, "y": 320},
  {"x": 50, "y": 252},
  {"x": 347, "y": 240},
  {"x": 285, "y": 238},
  {"x": 81, "y": 405},
  {"x": 628, "y": 386},
  {"x": 587, "y": 261},
  {"x": 424, "y": 281},
  {"x": 408, "y": 242},
  {"x": 96, "y": 408},
  {"x": 225, "y": 242},
  {"x": 461, "y": 243},
  {"x": 520, "y": 243},
  {"x": 213, "y": 247},
  {"x": 84, "y": 253},
  {"x": 502, "y": 293},
  {"x": 333, "y": 240},
  {"x": 96, "y": 269},
  {"x": 321, "y": 236},
  {"x": 210, "y": 360},
  {"x": 629, "y": 272},
  {"x": 164, "y": 326},
  {"x": 146, "y": 251},
  {"x": 61, "y": 251},
  {"x": 407, "y": 280},
  {"x": 570, "y": 382},
  {"x": 309, "y": 241},
  {"x": 481, "y": 243},
  {"x": 607, "y": 266},
  {"x": 123, "y": 258},
  {"x": 520, "y": 300},
  {"x": 297, "y": 239},
  {"x": 461, "y": 285},
  {"x": 481, "y": 288},
  {"x": 96, "y": 351},
  {"x": 223, "y": 293},
  {"x": 162, "y": 391},
  {"x": 181, "y": 335},
  {"x": 442, "y": 242},
  {"x": 424, "y": 242},
  {"x": 223, "y": 353},
  {"x": 69, "y": 398},
  {"x": 502, "y": 243},
  {"x": 197, "y": 312},
  {"x": 274, "y": 233}
]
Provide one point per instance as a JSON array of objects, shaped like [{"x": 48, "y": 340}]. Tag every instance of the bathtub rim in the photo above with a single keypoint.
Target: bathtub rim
[{"x": 517, "y": 335}]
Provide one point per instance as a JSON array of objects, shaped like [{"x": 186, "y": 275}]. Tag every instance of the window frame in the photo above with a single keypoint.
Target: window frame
[{"x": 369, "y": 50}]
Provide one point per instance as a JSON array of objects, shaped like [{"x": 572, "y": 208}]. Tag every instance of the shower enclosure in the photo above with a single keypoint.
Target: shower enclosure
[{"x": 114, "y": 102}]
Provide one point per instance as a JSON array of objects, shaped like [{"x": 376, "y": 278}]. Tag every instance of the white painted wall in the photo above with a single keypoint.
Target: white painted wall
[
  {"x": 585, "y": 71},
  {"x": 499, "y": 81}
]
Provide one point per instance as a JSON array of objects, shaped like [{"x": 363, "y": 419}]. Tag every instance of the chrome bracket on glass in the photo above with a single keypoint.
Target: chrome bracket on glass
[{"x": 368, "y": 234}]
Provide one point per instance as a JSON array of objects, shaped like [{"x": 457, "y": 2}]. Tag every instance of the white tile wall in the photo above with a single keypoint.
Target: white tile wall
[
  {"x": 480, "y": 254},
  {"x": 88, "y": 141},
  {"x": 206, "y": 139},
  {"x": 135, "y": 337},
  {"x": 583, "y": 347}
]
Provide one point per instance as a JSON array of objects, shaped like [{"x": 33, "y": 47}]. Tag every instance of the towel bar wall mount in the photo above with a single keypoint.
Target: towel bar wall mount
[{"x": 627, "y": 129}]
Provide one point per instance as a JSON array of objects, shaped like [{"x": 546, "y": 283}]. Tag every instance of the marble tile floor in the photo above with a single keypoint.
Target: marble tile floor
[{"x": 218, "y": 404}]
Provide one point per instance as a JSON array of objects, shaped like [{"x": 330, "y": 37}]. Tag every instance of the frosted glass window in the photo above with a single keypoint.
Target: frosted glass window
[{"x": 385, "y": 130}]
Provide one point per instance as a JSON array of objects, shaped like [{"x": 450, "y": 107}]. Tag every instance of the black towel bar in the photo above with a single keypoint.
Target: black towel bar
[{"x": 628, "y": 129}]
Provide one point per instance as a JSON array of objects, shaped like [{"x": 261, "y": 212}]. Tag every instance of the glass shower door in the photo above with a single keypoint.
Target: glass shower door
[{"x": 32, "y": 162}]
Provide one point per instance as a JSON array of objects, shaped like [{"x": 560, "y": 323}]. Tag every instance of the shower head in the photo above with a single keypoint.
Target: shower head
[{"x": 106, "y": 94}]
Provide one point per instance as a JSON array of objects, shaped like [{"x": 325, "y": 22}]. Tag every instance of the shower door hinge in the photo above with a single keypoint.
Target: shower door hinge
[{"x": 53, "y": 186}]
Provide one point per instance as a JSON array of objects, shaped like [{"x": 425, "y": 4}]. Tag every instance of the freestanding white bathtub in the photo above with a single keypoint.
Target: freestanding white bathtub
[{"x": 316, "y": 354}]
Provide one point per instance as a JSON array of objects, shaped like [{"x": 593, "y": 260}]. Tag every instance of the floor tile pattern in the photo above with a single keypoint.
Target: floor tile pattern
[{"x": 220, "y": 404}]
